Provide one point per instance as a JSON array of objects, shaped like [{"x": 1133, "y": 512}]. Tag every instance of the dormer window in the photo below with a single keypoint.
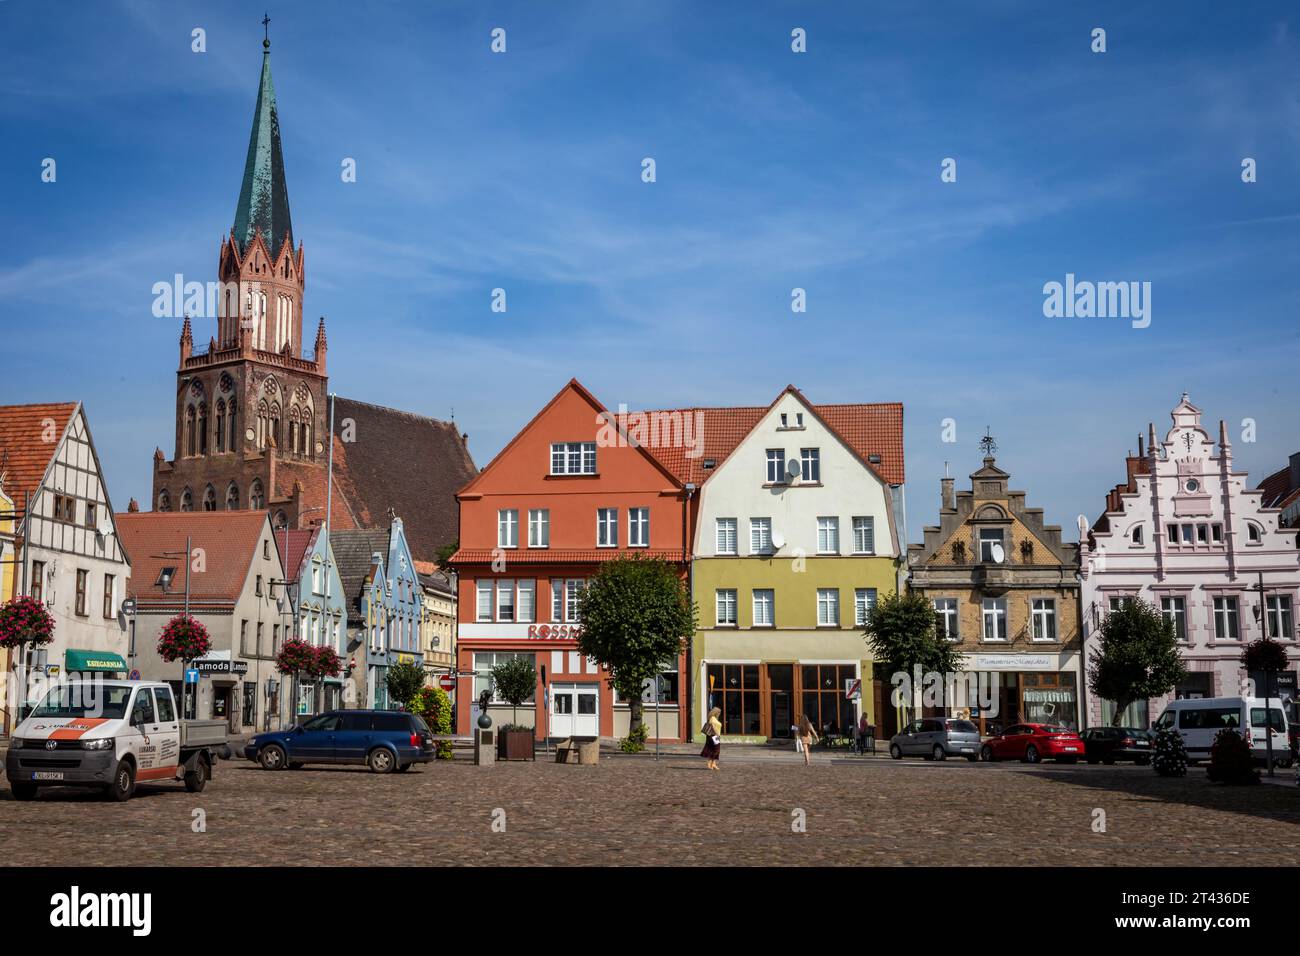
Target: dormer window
[{"x": 991, "y": 544}]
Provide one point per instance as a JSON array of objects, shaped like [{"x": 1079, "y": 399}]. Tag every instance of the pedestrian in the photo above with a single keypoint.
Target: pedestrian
[
  {"x": 712, "y": 731},
  {"x": 807, "y": 737}
]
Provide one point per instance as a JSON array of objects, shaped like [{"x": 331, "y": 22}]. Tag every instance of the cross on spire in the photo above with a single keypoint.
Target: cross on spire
[
  {"x": 989, "y": 446},
  {"x": 266, "y": 31}
]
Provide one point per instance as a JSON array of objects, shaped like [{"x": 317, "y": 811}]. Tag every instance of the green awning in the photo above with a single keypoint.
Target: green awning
[{"x": 75, "y": 660}]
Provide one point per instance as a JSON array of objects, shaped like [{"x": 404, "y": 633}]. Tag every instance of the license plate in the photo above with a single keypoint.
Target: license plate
[
  {"x": 1069, "y": 748},
  {"x": 47, "y": 775},
  {"x": 968, "y": 750},
  {"x": 1143, "y": 743}
]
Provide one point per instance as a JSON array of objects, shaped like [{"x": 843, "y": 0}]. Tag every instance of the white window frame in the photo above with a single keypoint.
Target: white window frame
[
  {"x": 607, "y": 527},
  {"x": 864, "y": 534},
  {"x": 764, "y": 607},
  {"x": 950, "y": 617},
  {"x": 828, "y": 607},
  {"x": 507, "y": 527},
  {"x": 1227, "y": 618},
  {"x": 539, "y": 527},
  {"x": 638, "y": 527},
  {"x": 1043, "y": 620},
  {"x": 1281, "y": 616},
  {"x": 864, "y": 600},
  {"x": 505, "y": 601},
  {"x": 986, "y": 544},
  {"x": 573, "y": 458},
  {"x": 828, "y": 534},
  {"x": 994, "y": 612},
  {"x": 526, "y": 614},
  {"x": 724, "y": 602},
  {"x": 764, "y": 527},
  {"x": 723, "y": 527},
  {"x": 810, "y": 465},
  {"x": 572, "y": 588},
  {"x": 479, "y": 615},
  {"x": 1176, "y": 613},
  {"x": 775, "y": 458}
]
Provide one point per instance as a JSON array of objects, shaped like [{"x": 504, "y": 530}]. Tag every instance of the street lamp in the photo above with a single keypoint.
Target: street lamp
[
  {"x": 165, "y": 580},
  {"x": 1262, "y": 620}
]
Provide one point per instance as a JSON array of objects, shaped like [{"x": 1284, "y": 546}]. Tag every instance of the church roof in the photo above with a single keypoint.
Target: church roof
[{"x": 263, "y": 196}]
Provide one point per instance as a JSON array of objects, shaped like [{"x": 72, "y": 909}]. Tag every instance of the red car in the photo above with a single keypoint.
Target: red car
[{"x": 1033, "y": 743}]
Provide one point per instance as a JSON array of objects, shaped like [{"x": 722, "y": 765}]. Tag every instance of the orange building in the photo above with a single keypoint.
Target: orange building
[{"x": 566, "y": 494}]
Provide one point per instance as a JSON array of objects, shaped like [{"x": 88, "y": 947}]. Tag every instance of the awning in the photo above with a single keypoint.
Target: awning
[{"x": 75, "y": 660}]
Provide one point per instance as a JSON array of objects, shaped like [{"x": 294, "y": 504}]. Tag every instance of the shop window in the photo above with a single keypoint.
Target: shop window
[
  {"x": 1049, "y": 699},
  {"x": 822, "y": 696},
  {"x": 734, "y": 688}
]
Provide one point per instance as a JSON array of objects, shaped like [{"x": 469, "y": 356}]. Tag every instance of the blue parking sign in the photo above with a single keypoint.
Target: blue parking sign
[{"x": 191, "y": 675}]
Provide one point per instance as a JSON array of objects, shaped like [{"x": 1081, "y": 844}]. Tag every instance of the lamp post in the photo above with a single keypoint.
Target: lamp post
[
  {"x": 191, "y": 701},
  {"x": 1261, "y": 618}
]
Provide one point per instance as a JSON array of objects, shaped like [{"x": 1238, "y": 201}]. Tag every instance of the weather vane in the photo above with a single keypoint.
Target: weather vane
[{"x": 987, "y": 443}]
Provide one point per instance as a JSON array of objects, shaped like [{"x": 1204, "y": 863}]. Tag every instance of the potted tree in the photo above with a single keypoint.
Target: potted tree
[
  {"x": 515, "y": 680},
  {"x": 404, "y": 681}
]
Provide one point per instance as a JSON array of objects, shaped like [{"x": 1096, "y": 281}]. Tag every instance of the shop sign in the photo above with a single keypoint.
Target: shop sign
[
  {"x": 555, "y": 632},
  {"x": 1012, "y": 662},
  {"x": 204, "y": 666}
]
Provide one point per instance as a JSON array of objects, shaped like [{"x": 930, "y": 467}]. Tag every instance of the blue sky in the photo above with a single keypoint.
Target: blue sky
[{"x": 775, "y": 170}]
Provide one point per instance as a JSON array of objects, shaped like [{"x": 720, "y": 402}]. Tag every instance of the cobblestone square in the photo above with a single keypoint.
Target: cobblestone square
[{"x": 634, "y": 811}]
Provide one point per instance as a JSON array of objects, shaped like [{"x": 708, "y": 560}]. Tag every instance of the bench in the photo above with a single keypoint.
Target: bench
[{"x": 580, "y": 750}]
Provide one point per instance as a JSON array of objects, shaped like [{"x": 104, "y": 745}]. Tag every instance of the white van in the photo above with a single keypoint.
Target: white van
[
  {"x": 109, "y": 734},
  {"x": 1198, "y": 720}
]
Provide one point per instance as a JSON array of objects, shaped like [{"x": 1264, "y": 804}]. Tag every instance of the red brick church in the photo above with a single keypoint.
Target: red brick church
[{"x": 252, "y": 408}]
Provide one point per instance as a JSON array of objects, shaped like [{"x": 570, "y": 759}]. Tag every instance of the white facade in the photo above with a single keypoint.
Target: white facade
[
  {"x": 741, "y": 489},
  {"x": 72, "y": 559},
  {"x": 1192, "y": 538}
]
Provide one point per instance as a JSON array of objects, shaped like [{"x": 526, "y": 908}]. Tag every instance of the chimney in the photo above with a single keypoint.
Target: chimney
[
  {"x": 947, "y": 497},
  {"x": 1294, "y": 461}
]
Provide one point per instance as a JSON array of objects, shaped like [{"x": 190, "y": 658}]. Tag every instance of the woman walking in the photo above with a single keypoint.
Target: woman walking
[
  {"x": 712, "y": 731},
  {"x": 807, "y": 737}
]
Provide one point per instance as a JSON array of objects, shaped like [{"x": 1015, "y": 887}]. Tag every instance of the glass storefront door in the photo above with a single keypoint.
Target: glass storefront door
[{"x": 780, "y": 682}]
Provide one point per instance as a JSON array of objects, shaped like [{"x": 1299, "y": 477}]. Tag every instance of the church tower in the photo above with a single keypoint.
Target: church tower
[{"x": 251, "y": 404}]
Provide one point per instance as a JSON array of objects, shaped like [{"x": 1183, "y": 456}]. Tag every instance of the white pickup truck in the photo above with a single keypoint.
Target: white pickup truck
[{"x": 110, "y": 734}]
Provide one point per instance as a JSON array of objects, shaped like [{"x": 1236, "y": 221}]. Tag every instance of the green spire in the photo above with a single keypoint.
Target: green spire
[{"x": 263, "y": 196}]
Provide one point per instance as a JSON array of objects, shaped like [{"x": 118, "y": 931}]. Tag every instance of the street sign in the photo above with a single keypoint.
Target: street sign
[
  {"x": 128, "y": 606},
  {"x": 447, "y": 682},
  {"x": 853, "y": 689},
  {"x": 191, "y": 675},
  {"x": 134, "y": 675}
]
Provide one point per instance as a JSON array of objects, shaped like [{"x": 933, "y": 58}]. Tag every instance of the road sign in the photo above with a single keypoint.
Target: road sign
[
  {"x": 191, "y": 675},
  {"x": 447, "y": 682},
  {"x": 128, "y": 606},
  {"x": 853, "y": 689},
  {"x": 134, "y": 675}
]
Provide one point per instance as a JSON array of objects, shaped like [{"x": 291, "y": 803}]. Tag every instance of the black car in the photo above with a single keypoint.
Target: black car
[{"x": 1108, "y": 744}]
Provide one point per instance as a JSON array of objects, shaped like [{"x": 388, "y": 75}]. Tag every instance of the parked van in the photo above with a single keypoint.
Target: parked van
[
  {"x": 1198, "y": 720},
  {"x": 109, "y": 734}
]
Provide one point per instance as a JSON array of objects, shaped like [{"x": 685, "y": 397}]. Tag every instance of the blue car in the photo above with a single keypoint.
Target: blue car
[{"x": 383, "y": 740}]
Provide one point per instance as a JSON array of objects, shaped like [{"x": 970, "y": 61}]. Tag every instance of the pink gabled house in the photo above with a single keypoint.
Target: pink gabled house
[{"x": 1186, "y": 533}]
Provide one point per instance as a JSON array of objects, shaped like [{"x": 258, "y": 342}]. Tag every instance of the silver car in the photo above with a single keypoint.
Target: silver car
[{"x": 937, "y": 738}]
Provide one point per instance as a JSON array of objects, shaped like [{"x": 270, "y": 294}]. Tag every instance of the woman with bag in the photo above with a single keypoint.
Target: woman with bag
[
  {"x": 807, "y": 737},
  {"x": 712, "y": 731}
]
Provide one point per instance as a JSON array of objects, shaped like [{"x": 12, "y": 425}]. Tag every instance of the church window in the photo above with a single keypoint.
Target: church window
[
  {"x": 220, "y": 431},
  {"x": 232, "y": 497},
  {"x": 256, "y": 500},
  {"x": 164, "y": 501},
  {"x": 209, "y": 499},
  {"x": 189, "y": 430},
  {"x": 187, "y": 500},
  {"x": 203, "y": 428}
]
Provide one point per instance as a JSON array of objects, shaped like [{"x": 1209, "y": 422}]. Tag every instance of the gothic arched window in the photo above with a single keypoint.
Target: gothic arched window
[
  {"x": 281, "y": 519},
  {"x": 256, "y": 500},
  {"x": 234, "y": 427},
  {"x": 203, "y": 428},
  {"x": 164, "y": 501},
  {"x": 220, "y": 431},
  {"x": 263, "y": 423},
  {"x": 189, "y": 430},
  {"x": 232, "y": 497},
  {"x": 273, "y": 431},
  {"x": 187, "y": 500},
  {"x": 209, "y": 499}
]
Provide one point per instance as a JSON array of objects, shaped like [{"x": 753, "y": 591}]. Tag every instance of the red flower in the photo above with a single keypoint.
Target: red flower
[
  {"x": 183, "y": 638},
  {"x": 25, "y": 620}
]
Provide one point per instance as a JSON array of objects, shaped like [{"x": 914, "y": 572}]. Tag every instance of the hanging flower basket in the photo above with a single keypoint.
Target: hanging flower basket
[
  {"x": 25, "y": 620},
  {"x": 327, "y": 663},
  {"x": 296, "y": 657},
  {"x": 183, "y": 639}
]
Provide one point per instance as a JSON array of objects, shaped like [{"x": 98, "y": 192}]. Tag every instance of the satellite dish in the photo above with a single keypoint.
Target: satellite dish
[
  {"x": 999, "y": 555},
  {"x": 778, "y": 540},
  {"x": 793, "y": 469}
]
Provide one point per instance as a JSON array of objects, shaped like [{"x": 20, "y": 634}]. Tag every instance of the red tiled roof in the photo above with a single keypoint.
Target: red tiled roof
[
  {"x": 25, "y": 450},
  {"x": 228, "y": 539},
  {"x": 294, "y": 545},
  {"x": 869, "y": 429},
  {"x": 548, "y": 556},
  {"x": 1277, "y": 488}
]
